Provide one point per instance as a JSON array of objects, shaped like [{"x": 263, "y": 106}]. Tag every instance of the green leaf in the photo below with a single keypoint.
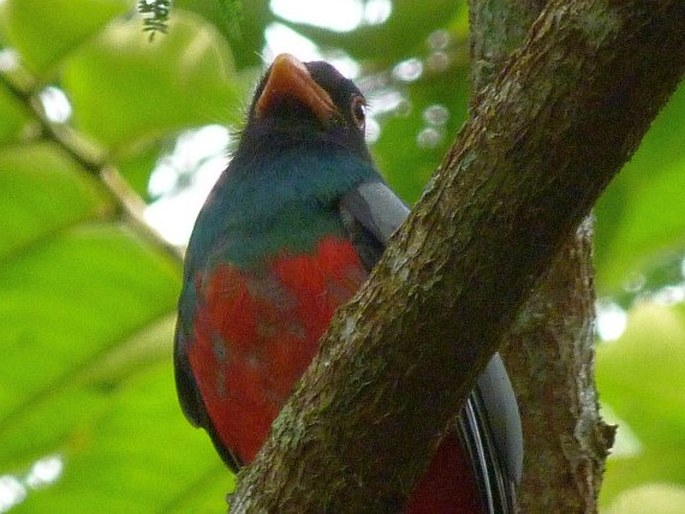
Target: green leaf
[
  {"x": 404, "y": 159},
  {"x": 137, "y": 169},
  {"x": 89, "y": 306},
  {"x": 641, "y": 217},
  {"x": 656, "y": 498},
  {"x": 14, "y": 120},
  {"x": 43, "y": 192},
  {"x": 67, "y": 302},
  {"x": 128, "y": 91},
  {"x": 137, "y": 454},
  {"x": 45, "y": 32},
  {"x": 641, "y": 378},
  {"x": 247, "y": 42}
]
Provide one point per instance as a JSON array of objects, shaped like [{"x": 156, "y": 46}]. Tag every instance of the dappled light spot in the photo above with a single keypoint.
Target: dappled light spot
[
  {"x": 429, "y": 137},
  {"x": 55, "y": 104},
  {"x": 436, "y": 115},
  {"x": 14, "y": 489},
  {"x": 9, "y": 59},
  {"x": 409, "y": 70},
  {"x": 611, "y": 320}
]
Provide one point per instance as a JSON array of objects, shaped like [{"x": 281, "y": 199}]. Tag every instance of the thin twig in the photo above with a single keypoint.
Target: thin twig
[{"x": 129, "y": 206}]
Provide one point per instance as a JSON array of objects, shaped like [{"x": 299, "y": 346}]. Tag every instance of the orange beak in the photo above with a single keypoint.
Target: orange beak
[{"x": 290, "y": 78}]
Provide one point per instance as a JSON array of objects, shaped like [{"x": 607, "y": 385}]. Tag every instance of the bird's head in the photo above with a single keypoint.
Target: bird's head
[{"x": 309, "y": 103}]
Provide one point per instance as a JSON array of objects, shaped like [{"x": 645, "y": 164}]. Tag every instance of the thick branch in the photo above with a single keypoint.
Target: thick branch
[
  {"x": 549, "y": 351},
  {"x": 497, "y": 28},
  {"x": 550, "y": 355},
  {"x": 547, "y": 136}
]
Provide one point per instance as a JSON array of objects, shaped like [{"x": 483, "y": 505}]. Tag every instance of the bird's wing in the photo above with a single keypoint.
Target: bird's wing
[
  {"x": 188, "y": 392},
  {"x": 374, "y": 205},
  {"x": 490, "y": 426},
  {"x": 489, "y": 423}
]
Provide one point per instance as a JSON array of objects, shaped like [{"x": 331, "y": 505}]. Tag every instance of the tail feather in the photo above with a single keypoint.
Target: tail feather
[
  {"x": 497, "y": 489},
  {"x": 490, "y": 429}
]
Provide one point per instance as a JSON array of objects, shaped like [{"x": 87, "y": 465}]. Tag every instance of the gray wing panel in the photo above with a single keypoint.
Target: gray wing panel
[
  {"x": 376, "y": 208},
  {"x": 499, "y": 401}
]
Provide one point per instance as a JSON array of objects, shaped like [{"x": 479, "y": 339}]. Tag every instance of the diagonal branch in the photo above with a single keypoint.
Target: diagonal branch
[
  {"x": 129, "y": 206},
  {"x": 547, "y": 136}
]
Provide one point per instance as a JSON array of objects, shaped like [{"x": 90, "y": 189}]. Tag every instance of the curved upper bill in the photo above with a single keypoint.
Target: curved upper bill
[{"x": 289, "y": 78}]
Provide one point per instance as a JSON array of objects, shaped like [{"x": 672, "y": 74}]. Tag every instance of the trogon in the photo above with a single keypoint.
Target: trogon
[{"x": 289, "y": 232}]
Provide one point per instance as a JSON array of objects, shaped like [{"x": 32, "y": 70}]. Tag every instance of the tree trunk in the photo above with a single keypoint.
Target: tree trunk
[
  {"x": 544, "y": 139},
  {"x": 549, "y": 351}
]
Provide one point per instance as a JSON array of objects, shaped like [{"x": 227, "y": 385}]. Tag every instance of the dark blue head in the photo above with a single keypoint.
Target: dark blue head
[
  {"x": 300, "y": 152},
  {"x": 308, "y": 104}
]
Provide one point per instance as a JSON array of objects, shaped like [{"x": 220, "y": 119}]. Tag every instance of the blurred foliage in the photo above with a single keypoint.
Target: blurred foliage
[
  {"x": 640, "y": 377},
  {"x": 88, "y": 298}
]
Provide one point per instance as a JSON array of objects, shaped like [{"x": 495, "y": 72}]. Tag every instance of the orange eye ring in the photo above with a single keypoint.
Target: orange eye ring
[{"x": 358, "y": 110}]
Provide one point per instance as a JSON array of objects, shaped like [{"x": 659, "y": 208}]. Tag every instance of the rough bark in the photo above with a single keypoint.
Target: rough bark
[
  {"x": 550, "y": 355},
  {"x": 549, "y": 351},
  {"x": 546, "y": 137}
]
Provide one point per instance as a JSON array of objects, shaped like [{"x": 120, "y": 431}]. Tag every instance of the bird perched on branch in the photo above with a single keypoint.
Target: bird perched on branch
[{"x": 290, "y": 231}]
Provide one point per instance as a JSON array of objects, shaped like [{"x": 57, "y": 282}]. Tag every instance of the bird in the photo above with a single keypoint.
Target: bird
[{"x": 289, "y": 232}]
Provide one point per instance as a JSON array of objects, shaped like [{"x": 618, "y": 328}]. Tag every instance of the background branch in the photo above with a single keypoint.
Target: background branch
[
  {"x": 93, "y": 161},
  {"x": 550, "y": 350}
]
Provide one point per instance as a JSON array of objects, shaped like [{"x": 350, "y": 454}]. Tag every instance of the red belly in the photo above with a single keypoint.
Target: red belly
[{"x": 257, "y": 330}]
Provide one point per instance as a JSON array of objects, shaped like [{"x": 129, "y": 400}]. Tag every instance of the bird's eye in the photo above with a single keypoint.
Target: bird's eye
[{"x": 358, "y": 108}]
